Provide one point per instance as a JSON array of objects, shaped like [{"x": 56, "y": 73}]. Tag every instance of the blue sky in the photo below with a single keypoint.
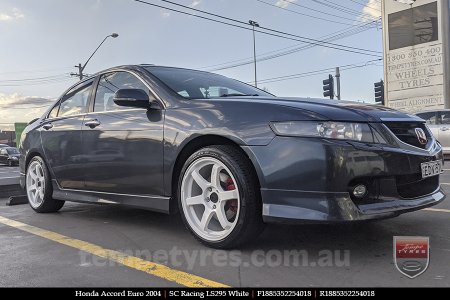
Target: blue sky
[{"x": 42, "y": 40}]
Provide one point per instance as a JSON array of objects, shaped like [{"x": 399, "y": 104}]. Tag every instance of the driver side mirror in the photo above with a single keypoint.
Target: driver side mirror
[{"x": 132, "y": 98}]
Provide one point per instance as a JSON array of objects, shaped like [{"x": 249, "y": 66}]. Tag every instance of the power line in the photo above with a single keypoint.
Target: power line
[
  {"x": 246, "y": 24},
  {"x": 342, "y": 8},
  {"x": 310, "y": 16},
  {"x": 317, "y": 72},
  {"x": 365, "y": 5},
  {"x": 271, "y": 32},
  {"x": 352, "y": 30},
  {"x": 41, "y": 82},
  {"x": 277, "y": 54},
  {"x": 36, "y": 70},
  {"x": 34, "y": 78}
]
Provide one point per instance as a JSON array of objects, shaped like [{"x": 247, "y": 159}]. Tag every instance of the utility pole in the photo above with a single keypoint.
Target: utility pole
[
  {"x": 81, "y": 67},
  {"x": 254, "y": 24},
  {"x": 338, "y": 83},
  {"x": 80, "y": 71}
]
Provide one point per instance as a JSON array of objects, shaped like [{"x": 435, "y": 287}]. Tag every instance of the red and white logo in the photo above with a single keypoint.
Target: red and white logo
[{"x": 411, "y": 254}]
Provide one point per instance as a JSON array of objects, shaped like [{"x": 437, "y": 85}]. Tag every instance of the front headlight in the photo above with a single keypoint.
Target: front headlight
[
  {"x": 14, "y": 158},
  {"x": 332, "y": 130}
]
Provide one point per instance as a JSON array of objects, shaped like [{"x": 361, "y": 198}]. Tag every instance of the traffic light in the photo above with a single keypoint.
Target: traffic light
[
  {"x": 379, "y": 92},
  {"x": 328, "y": 87}
]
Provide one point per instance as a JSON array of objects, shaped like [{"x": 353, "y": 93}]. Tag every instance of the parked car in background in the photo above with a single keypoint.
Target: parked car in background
[
  {"x": 228, "y": 156},
  {"x": 439, "y": 123},
  {"x": 9, "y": 156},
  {"x": 4, "y": 145}
]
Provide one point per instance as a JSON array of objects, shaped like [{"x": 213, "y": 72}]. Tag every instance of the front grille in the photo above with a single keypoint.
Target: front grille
[
  {"x": 406, "y": 132},
  {"x": 412, "y": 186}
]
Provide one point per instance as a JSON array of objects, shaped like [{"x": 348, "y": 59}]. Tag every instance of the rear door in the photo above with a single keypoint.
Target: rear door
[
  {"x": 61, "y": 136},
  {"x": 123, "y": 147}
]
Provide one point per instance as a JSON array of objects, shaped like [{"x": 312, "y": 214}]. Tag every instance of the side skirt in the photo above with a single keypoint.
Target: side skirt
[{"x": 149, "y": 202}]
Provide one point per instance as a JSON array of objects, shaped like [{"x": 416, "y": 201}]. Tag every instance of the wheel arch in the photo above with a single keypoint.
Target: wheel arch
[
  {"x": 30, "y": 155},
  {"x": 190, "y": 148}
]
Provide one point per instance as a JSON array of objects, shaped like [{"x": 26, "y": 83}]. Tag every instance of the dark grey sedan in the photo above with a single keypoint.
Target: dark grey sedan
[{"x": 229, "y": 157}]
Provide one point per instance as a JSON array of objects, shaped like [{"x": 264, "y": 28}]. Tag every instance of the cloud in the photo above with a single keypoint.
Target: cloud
[
  {"x": 14, "y": 14},
  {"x": 165, "y": 13},
  {"x": 19, "y": 108},
  {"x": 284, "y": 3},
  {"x": 196, "y": 3},
  {"x": 371, "y": 11},
  {"x": 18, "y": 99}
]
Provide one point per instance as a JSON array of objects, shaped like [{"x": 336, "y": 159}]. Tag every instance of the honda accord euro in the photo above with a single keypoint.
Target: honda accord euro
[{"x": 225, "y": 155}]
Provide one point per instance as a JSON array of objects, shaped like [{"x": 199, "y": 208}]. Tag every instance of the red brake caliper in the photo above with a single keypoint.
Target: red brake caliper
[{"x": 231, "y": 204}]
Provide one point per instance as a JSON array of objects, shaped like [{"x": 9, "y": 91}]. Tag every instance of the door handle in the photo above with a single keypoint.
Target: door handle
[
  {"x": 444, "y": 128},
  {"x": 92, "y": 123},
  {"x": 47, "y": 126}
]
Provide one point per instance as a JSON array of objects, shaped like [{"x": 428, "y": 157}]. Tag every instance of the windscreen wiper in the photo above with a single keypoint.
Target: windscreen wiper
[{"x": 239, "y": 95}]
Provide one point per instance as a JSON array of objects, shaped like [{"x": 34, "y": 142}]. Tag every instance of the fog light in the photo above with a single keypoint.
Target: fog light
[{"x": 360, "y": 191}]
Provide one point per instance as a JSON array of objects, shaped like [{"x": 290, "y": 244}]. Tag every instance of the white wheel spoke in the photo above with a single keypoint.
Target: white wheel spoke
[
  {"x": 215, "y": 176},
  {"x": 205, "y": 210},
  {"x": 35, "y": 196},
  {"x": 228, "y": 195},
  {"x": 33, "y": 175},
  {"x": 195, "y": 200},
  {"x": 41, "y": 193},
  {"x": 206, "y": 218},
  {"x": 202, "y": 183},
  {"x": 222, "y": 218},
  {"x": 32, "y": 187}
]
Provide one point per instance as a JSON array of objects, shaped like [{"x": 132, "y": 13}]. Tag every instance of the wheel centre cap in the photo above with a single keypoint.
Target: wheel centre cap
[{"x": 214, "y": 197}]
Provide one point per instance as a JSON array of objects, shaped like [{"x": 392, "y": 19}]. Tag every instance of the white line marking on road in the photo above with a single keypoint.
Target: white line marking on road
[{"x": 438, "y": 210}]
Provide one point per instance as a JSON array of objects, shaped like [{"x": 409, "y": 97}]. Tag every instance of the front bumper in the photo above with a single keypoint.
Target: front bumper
[{"x": 310, "y": 179}]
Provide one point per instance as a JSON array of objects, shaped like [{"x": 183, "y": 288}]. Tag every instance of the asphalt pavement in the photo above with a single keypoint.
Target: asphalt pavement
[{"x": 111, "y": 246}]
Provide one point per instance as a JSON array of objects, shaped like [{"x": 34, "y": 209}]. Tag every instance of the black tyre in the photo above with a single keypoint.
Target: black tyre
[
  {"x": 39, "y": 187},
  {"x": 219, "y": 198}
]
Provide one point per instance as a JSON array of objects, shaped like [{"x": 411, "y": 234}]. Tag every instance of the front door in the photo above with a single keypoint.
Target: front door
[{"x": 123, "y": 147}]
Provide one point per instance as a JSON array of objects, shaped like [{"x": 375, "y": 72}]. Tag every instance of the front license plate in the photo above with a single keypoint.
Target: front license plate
[{"x": 431, "y": 168}]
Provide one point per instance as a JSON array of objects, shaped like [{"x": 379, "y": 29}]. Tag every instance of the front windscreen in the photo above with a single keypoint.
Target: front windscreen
[{"x": 193, "y": 84}]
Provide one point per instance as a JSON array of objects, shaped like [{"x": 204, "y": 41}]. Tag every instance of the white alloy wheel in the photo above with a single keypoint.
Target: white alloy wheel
[
  {"x": 35, "y": 184},
  {"x": 210, "y": 199}
]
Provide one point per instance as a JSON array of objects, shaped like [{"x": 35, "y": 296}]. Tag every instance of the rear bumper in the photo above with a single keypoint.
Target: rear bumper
[{"x": 310, "y": 180}]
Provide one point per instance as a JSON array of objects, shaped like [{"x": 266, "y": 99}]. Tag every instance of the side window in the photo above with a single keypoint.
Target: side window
[
  {"x": 75, "y": 101},
  {"x": 445, "y": 117},
  {"x": 109, "y": 84},
  {"x": 54, "y": 112},
  {"x": 429, "y": 117}
]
